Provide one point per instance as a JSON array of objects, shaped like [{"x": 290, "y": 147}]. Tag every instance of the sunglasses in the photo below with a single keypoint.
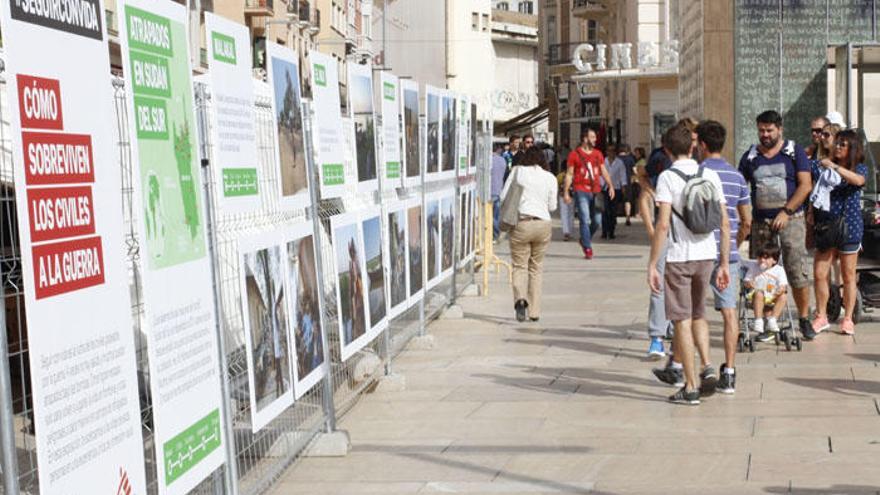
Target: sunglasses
[
  {"x": 816, "y": 131},
  {"x": 826, "y": 134},
  {"x": 842, "y": 144}
]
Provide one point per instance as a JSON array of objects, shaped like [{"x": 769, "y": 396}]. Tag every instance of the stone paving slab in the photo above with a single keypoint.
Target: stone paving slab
[{"x": 568, "y": 405}]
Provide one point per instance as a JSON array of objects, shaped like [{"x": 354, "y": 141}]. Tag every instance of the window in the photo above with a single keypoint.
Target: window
[
  {"x": 592, "y": 31},
  {"x": 502, "y": 6},
  {"x": 475, "y": 21},
  {"x": 485, "y": 22},
  {"x": 551, "y": 29},
  {"x": 527, "y": 7}
]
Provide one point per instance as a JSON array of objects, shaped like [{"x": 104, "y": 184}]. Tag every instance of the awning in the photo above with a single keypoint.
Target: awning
[{"x": 525, "y": 120}]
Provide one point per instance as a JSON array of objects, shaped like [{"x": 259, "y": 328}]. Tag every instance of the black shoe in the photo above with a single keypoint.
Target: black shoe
[
  {"x": 520, "y": 308},
  {"x": 727, "y": 381},
  {"x": 670, "y": 376},
  {"x": 708, "y": 381},
  {"x": 684, "y": 396},
  {"x": 628, "y": 223},
  {"x": 807, "y": 329},
  {"x": 533, "y": 318},
  {"x": 612, "y": 236},
  {"x": 766, "y": 336}
]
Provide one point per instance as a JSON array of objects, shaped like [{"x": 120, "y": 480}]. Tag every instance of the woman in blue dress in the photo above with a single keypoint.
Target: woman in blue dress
[{"x": 844, "y": 200}]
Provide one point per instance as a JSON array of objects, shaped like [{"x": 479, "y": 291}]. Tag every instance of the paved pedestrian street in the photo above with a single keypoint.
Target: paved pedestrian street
[{"x": 569, "y": 404}]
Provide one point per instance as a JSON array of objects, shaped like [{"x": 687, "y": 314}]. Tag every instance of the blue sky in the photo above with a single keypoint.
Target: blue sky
[{"x": 279, "y": 67}]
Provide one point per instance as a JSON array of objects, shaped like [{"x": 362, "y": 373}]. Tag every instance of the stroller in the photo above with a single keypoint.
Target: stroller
[{"x": 787, "y": 334}]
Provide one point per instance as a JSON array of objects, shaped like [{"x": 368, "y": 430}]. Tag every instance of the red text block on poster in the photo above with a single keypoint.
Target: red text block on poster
[
  {"x": 68, "y": 266},
  {"x": 39, "y": 103},
  {"x": 54, "y": 158},
  {"x": 60, "y": 212}
]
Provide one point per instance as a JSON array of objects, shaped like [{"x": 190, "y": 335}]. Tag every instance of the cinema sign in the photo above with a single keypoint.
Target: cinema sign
[{"x": 618, "y": 59}]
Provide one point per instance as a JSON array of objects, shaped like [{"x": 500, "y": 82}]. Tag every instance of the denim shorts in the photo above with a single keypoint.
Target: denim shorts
[
  {"x": 725, "y": 299},
  {"x": 850, "y": 248}
]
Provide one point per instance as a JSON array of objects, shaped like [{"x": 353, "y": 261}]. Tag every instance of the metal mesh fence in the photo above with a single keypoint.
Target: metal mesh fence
[{"x": 262, "y": 457}]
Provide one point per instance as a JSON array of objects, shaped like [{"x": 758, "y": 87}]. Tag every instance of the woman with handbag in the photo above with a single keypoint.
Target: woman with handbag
[
  {"x": 531, "y": 194},
  {"x": 838, "y": 228}
]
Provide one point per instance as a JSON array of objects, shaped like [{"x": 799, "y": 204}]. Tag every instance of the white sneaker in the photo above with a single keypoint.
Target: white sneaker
[{"x": 772, "y": 325}]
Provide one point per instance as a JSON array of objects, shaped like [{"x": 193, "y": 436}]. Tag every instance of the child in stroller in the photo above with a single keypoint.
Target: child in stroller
[{"x": 766, "y": 286}]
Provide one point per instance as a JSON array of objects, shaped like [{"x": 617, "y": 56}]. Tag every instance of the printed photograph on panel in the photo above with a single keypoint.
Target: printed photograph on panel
[
  {"x": 433, "y": 133},
  {"x": 433, "y": 226},
  {"x": 414, "y": 232},
  {"x": 474, "y": 220},
  {"x": 448, "y": 141},
  {"x": 411, "y": 132},
  {"x": 473, "y": 129},
  {"x": 463, "y": 224},
  {"x": 397, "y": 256},
  {"x": 375, "y": 272},
  {"x": 364, "y": 131},
  {"x": 267, "y": 317},
  {"x": 350, "y": 283},
  {"x": 447, "y": 212},
  {"x": 303, "y": 284},
  {"x": 289, "y": 125}
]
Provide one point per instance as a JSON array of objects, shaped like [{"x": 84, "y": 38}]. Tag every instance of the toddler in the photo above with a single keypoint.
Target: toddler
[{"x": 767, "y": 286}]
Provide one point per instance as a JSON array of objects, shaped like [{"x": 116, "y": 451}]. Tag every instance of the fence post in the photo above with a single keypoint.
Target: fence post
[
  {"x": 7, "y": 425},
  {"x": 231, "y": 471},
  {"x": 329, "y": 406}
]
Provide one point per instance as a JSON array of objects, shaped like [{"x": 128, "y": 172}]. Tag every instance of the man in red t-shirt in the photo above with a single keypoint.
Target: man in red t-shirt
[{"x": 586, "y": 166}]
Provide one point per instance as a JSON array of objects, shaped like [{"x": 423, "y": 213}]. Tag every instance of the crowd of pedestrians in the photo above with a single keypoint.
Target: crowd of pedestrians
[{"x": 791, "y": 203}]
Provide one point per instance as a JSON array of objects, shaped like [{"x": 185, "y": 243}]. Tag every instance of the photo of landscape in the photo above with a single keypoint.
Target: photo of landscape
[
  {"x": 447, "y": 232},
  {"x": 433, "y": 138},
  {"x": 397, "y": 257},
  {"x": 414, "y": 238},
  {"x": 361, "y": 95},
  {"x": 433, "y": 230},
  {"x": 412, "y": 152},
  {"x": 291, "y": 164},
  {"x": 372, "y": 228},
  {"x": 448, "y": 133}
]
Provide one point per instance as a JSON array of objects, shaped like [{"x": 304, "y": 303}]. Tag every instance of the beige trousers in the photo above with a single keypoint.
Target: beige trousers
[{"x": 528, "y": 242}]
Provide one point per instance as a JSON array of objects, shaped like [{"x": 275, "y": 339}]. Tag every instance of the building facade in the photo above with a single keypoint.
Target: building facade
[
  {"x": 625, "y": 84},
  {"x": 516, "y": 53}
]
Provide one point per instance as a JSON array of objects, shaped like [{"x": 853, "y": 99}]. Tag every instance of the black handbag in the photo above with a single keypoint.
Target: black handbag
[{"x": 829, "y": 231}]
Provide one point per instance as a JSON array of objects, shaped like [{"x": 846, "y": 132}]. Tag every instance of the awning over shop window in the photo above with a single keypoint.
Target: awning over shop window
[{"x": 525, "y": 120}]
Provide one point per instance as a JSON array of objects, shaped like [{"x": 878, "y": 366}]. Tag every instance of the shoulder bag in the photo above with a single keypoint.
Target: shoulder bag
[
  {"x": 510, "y": 204},
  {"x": 829, "y": 231}
]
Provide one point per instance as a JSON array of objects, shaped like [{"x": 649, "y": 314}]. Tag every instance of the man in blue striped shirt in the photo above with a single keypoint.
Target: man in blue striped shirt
[{"x": 737, "y": 194}]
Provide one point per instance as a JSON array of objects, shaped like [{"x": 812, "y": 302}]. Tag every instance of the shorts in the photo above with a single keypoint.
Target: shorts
[
  {"x": 793, "y": 243},
  {"x": 769, "y": 300},
  {"x": 727, "y": 298},
  {"x": 685, "y": 289},
  {"x": 850, "y": 248}
]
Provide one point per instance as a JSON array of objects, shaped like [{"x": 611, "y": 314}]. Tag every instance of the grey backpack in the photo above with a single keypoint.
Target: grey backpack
[{"x": 702, "y": 203}]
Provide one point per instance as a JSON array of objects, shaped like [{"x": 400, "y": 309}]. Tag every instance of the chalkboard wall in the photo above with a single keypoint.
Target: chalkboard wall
[{"x": 781, "y": 57}]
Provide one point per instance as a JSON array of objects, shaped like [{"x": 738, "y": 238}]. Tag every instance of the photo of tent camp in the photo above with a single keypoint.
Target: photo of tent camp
[
  {"x": 447, "y": 231},
  {"x": 414, "y": 238},
  {"x": 350, "y": 288},
  {"x": 269, "y": 360},
  {"x": 306, "y": 318},
  {"x": 433, "y": 230},
  {"x": 433, "y": 138},
  {"x": 289, "y": 125},
  {"x": 375, "y": 271},
  {"x": 411, "y": 132},
  {"x": 364, "y": 126},
  {"x": 397, "y": 256},
  {"x": 448, "y": 141}
]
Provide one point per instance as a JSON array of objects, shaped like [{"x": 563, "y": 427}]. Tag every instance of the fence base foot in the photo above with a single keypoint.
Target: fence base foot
[
  {"x": 333, "y": 444},
  {"x": 365, "y": 367},
  {"x": 471, "y": 291},
  {"x": 422, "y": 343},
  {"x": 453, "y": 312},
  {"x": 391, "y": 383}
]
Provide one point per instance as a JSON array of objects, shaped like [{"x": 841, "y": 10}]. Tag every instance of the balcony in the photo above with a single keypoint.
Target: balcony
[
  {"x": 561, "y": 54},
  {"x": 259, "y": 8},
  {"x": 589, "y": 9}
]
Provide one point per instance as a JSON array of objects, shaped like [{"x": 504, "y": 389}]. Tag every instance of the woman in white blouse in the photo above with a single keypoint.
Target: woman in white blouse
[{"x": 529, "y": 240}]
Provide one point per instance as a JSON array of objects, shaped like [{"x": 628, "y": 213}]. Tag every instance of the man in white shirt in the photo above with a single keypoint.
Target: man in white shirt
[{"x": 690, "y": 258}]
